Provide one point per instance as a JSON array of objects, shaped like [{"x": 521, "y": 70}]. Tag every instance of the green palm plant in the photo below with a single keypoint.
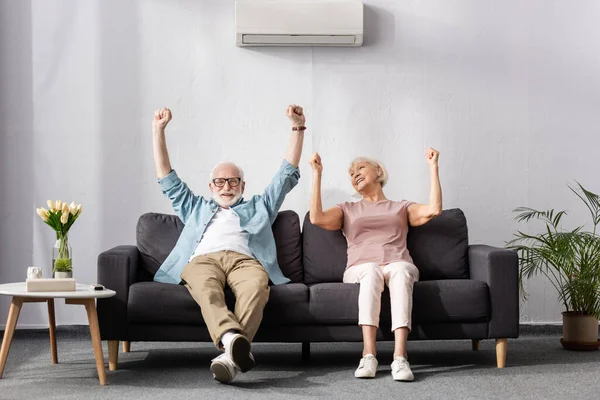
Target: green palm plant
[{"x": 570, "y": 259}]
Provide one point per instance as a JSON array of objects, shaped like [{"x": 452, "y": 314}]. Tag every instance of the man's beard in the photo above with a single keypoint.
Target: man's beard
[{"x": 225, "y": 201}]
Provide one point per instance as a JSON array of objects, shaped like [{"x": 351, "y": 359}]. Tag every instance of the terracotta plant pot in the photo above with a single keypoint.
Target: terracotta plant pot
[{"x": 580, "y": 331}]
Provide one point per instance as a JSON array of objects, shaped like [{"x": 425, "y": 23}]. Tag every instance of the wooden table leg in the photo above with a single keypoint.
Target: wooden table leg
[
  {"x": 90, "y": 307},
  {"x": 52, "y": 326},
  {"x": 126, "y": 346},
  {"x": 11, "y": 324}
]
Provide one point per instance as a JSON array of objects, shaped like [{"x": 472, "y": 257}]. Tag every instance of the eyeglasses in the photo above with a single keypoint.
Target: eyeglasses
[{"x": 220, "y": 182}]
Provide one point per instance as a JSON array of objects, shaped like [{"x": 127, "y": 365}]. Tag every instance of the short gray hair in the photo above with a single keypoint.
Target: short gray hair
[
  {"x": 240, "y": 171},
  {"x": 377, "y": 164}
]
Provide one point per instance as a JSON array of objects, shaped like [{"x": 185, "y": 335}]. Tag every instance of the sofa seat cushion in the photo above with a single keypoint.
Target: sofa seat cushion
[
  {"x": 451, "y": 300},
  {"x": 287, "y": 305},
  {"x": 164, "y": 303}
]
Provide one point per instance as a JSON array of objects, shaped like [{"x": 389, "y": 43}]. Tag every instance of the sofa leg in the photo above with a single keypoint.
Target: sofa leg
[
  {"x": 305, "y": 351},
  {"x": 475, "y": 344},
  {"x": 501, "y": 352},
  {"x": 113, "y": 354},
  {"x": 126, "y": 346}
]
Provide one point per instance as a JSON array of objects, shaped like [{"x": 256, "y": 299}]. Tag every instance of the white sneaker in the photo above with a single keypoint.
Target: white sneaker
[
  {"x": 223, "y": 368},
  {"x": 238, "y": 350},
  {"x": 367, "y": 368},
  {"x": 401, "y": 370}
]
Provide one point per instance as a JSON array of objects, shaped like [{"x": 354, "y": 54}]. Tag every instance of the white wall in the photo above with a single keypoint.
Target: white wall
[{"x": 507, "y": 91}]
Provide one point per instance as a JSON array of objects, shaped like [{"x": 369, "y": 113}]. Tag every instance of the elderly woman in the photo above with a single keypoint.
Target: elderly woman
[{"x": 376, "y": 229}]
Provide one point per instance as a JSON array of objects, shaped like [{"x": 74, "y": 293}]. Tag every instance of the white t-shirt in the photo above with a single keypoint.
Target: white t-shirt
[{"x": 223, "y": 233}]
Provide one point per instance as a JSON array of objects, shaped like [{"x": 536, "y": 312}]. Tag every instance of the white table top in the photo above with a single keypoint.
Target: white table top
[{"x": 81, "y": 292}]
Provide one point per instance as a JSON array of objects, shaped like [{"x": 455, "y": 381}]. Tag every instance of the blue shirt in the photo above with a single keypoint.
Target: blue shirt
[{"x": 256, "y": 217}]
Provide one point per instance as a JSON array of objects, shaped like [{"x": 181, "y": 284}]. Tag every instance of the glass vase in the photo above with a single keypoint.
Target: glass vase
[{"x": 62, "y": 265}]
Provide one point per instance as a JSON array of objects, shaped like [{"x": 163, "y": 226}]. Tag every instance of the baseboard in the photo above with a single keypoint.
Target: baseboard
[
  {"x": 44, "y": 328},
  {"x": 27, "y": 326}
]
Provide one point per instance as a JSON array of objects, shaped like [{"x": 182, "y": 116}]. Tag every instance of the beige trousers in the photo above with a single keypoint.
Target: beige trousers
[
  {"x": 206, "y": 277},
  {"x": 400, "y": 278}
]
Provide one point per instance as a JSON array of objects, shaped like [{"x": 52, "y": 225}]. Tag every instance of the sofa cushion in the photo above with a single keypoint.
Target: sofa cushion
[
  {"x": 164, "y": 303},
  {"x": 288, "y": 241},
  {"x": 334, "y": 303},
  {"x": 287, "y": 305},
  {"x": 324, "y": 257},
  {"x": 157, "y": 235},
  {"x": 451, "y": 300},
  {"x": 439, "y": 248}
]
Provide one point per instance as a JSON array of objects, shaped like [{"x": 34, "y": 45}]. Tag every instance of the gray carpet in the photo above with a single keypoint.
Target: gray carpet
[{"x": 537, "y": 367}]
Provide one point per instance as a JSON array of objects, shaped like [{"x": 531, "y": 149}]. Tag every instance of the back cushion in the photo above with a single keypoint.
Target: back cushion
[
  {"x": 324, "y": 253},
  {"x": 439, "y": 248},
  {"x": 288, "y": 240},
  {"x": 157, "y": 235}
]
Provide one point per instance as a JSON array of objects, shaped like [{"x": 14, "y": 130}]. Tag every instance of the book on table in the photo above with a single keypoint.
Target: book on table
[{"x": 51, "y": 285}]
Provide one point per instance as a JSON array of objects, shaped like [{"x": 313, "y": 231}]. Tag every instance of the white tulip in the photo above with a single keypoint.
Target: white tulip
[
  {"x": 64, "y": 218},
  {"x": 43, "y": 213},
  {"x": 50, "y": 204},
  {"x": 58, "y": 205},
  {"x": 73, "y": 208},
  {"x": 78, "y": 209},
  {"x": 65, "y": 208}
]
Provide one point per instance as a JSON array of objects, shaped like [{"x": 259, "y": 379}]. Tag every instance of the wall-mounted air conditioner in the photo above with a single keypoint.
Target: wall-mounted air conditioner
[{"x": 299, "y": 22}]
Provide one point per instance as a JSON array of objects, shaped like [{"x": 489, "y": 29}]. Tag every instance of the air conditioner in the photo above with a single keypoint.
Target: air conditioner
[{"x": 299, "y": 22}]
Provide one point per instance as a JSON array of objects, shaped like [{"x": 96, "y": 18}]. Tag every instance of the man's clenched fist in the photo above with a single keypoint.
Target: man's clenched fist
[
  {"x": 161, "y": 118},
  {"x": 296, "y": 115}
]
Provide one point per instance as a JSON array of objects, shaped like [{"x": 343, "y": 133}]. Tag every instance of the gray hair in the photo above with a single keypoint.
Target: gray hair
[
  {"x": 240, "y": 171},
  {"x": 377, "y": 164}
]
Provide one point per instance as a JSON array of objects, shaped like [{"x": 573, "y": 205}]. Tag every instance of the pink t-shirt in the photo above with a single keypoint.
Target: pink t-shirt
[{"x": 376, "y": 231}]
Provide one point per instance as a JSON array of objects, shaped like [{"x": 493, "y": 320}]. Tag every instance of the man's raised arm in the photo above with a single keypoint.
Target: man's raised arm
[
  {"x": 296, "y": 115},
  {"x": 161, "y": 155}
]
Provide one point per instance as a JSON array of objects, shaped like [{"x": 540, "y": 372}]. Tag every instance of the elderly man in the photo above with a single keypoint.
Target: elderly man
[{"x": 227, "y": 241}]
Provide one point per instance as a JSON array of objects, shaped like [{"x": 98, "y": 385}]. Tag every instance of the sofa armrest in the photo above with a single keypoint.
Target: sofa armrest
[
  {"x": 499, "y": 268},
  {"x": 117, "y": 270}
]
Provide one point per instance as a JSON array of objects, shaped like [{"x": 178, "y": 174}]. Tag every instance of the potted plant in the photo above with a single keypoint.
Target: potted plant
[
  {"x": 570, "y": 260},
  {"x": 60, "y": 216}
]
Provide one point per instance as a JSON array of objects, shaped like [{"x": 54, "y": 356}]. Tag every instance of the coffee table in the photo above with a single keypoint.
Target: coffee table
[{"x": 83, "y": 295}]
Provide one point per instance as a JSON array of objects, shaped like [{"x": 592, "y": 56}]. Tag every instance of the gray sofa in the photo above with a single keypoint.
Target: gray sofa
[{"x": 464, "y": 292}]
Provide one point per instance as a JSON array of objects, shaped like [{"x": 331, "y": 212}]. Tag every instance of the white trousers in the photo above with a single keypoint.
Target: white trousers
[{"x": 400, "y": 277}]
